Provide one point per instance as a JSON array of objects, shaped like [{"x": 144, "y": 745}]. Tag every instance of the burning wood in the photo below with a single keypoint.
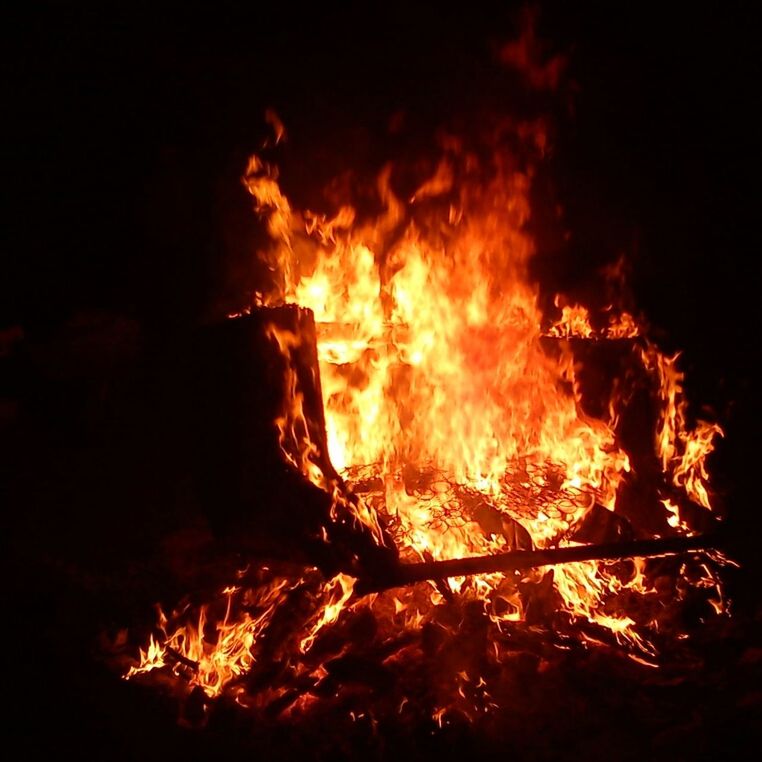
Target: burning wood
[
  {"x": 409, "y": 574},
  {"x": 430, "y": 425}
]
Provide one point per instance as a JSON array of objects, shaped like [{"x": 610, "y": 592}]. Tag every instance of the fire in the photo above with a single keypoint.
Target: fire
[
  {"x": 338, "y": 590},
  {"x": 683, "y": 452},
  {"x": 435, "y": 383},
  {"x": 575, "y": 321},
  {"x": 212, "y": 661},
  {"x": 458, "y": 432}
]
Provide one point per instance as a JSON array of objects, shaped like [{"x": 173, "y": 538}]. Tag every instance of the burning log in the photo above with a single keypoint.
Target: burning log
[{"x": 408, "y": 574}]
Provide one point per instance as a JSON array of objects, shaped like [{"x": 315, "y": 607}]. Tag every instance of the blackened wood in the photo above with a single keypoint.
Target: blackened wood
[
  {"x": 606, "y": 367},
  {"x": 178, "y": 657},
  {"x": 602, "y": 526},
  {"x": 407, "y": 574},
  {"x": 252, "y": 497},
  {"x": 249, "y": 494}
]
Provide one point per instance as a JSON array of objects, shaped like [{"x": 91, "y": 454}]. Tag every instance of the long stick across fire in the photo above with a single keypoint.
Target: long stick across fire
[{"x": 407, "y": 574}]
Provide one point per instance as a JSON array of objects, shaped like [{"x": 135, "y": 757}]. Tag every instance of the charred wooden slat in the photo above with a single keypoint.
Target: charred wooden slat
[
  {"x": 253, "y": 498},
  {"x": 408, "y": 574},
  {"x": 176, "y": 656}
]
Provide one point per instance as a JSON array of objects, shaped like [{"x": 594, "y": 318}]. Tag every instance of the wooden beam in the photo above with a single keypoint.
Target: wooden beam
[{"x": 408, "y": 574}]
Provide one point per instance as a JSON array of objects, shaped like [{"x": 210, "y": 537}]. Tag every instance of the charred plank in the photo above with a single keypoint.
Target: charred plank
[{"x": 408, "y": 574}]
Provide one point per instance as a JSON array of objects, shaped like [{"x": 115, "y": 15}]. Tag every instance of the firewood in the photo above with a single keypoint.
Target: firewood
[
  {"x": 254, "y": 499},
  {"x": 408, "y": 574},
  {"x": 174, "y": 655}
]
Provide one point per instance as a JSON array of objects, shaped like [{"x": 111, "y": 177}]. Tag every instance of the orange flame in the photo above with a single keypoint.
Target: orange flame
[
  {"x": 456, "y": 428},
  {"x": 436, "y": 387},
  {"x": 338, "y": 591},
  {"x": 683, "y": 451},
  {"x": 213, "y": 661}
]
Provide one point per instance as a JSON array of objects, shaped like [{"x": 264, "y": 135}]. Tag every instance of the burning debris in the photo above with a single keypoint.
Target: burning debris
[{"x": 470, "y": 477}]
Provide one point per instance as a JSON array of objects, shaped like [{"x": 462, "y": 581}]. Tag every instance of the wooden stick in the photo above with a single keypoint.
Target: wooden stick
[
  {"x": 184, "y": 660},
  {"x": 408, "y": 574}
]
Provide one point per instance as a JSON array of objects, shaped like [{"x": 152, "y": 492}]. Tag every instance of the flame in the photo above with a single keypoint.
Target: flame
[
  {"x": 435, "y": 384},
  {"x": 458, "y": 432},
  {"x": 436, "y": 387},
  {"x": 574, "y": 321},
  {"x": 622, "y": 326},
  {"x": 338, "y": 591},
  {"x": 213, "y": 660},
  {"x": 683, "y": 450}
]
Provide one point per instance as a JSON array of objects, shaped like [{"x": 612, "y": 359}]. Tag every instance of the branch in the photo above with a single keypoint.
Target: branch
[{"x": 408, "y": 574}]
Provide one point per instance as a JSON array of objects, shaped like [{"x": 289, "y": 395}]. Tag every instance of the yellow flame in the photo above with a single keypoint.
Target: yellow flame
[
  {"x": 214, "y": 660},
  {"x": 338, "y": 591},
  {"x": 434, "y": 380},
  {"x": 683, "y": 450},
  {"x": 458, "y": 431}
]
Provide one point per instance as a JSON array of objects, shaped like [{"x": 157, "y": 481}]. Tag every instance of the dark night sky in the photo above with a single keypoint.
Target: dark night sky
[{"x": 129, "y": 129}]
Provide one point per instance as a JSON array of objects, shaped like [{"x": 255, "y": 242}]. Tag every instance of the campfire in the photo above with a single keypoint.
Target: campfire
[{"x": 465, "y": 474}]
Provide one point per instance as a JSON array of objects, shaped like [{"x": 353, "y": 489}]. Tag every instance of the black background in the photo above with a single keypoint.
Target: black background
[{"x": 130, "y": 128}]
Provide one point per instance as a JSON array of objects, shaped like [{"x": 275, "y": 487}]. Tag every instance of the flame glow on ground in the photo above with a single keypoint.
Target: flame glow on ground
[{"x": 455, "y": 428}]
